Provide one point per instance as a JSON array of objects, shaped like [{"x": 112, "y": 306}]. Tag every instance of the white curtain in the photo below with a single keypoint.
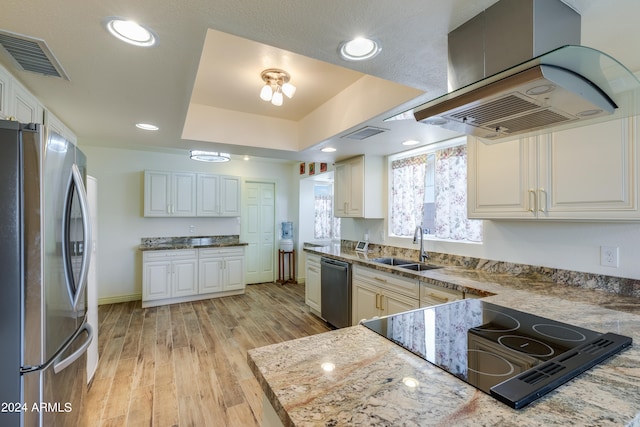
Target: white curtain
[
  {"x": 325, "y": 225},
  {"x": 451, "y": 197},
  {"x": 407, "y": 194}
]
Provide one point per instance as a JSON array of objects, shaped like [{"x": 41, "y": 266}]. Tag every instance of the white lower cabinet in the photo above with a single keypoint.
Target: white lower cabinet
[
  {"x": 434, "y": 295},
  {"x": 376, "y": 293},
  {"x": 221, "y": 270},
  {"x": 183, "y": 275},
  {"x": 312, "y": 283},
  {"x": 169, "y": 274}
]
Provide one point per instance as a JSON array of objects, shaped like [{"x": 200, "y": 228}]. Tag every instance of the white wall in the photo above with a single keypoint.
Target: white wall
[{"x": 121, "y": 224}]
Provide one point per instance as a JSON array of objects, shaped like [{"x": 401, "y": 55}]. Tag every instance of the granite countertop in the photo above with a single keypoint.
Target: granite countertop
[
  {"x": 366, "y": 386},
  {"x": 190, "y": 242}
]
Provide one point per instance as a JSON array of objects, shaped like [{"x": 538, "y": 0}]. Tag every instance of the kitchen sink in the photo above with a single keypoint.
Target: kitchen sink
[
  {"x": 405, "y": 263},
  {"x": 418, "y": 266}
]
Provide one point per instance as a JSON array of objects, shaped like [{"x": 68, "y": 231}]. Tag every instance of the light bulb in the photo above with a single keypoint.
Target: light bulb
[
  {"x": 266, "y": 93},
  {"x": 277, "y": 98},
  {"x": 289, "y": 90}
]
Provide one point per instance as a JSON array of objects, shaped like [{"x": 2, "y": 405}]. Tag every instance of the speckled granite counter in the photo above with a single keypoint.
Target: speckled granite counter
[
  {"x": 191, "y": 242},
  {"x": 366, "y": 386}
]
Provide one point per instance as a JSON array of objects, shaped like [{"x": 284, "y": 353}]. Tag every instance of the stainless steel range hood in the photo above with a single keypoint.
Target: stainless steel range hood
[{"x": 568, "y": 86}]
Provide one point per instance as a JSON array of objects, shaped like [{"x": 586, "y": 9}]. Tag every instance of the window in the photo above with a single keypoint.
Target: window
[
  {"x": 326, "y": 226},
  {"x": 429, "y": 188}
]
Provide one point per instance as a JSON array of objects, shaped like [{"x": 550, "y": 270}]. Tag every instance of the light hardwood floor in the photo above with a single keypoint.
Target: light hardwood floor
[{"x": 185, "y": 364}]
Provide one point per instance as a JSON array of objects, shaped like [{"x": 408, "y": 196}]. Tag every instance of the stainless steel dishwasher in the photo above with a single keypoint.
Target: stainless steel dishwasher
[{"x": 335, "y": 292}]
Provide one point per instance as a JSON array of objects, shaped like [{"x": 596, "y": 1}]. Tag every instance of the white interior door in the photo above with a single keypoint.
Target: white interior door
[{"x": 259, "y": 231}]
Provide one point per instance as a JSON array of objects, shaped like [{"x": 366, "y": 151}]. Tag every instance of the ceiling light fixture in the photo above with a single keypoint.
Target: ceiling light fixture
[
  {"x": 130, "y": 32},
  {"x": 328, "y": 150},
  {"x": 359, "y": 49},
  {"x": 146, "y": 126},
  {"x": 411, "y": 142},
  {"x": 276, "y": 83},
  {"x": 210, "y": 156}
]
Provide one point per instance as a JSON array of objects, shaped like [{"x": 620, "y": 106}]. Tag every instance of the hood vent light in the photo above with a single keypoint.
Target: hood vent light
[
  {"x": 31, "y": 54},
  {"x": 537, "y": 98},
  {"x": 364, "y": 133}
]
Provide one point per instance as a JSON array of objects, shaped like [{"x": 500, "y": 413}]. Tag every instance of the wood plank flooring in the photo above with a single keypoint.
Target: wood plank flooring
[{"x": 185, "y": 364}]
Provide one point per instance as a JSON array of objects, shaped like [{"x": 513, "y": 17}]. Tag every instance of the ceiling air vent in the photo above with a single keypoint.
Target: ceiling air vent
[
  {"x": 31, "y": 54},
  {"x": 364, "y": 133}
]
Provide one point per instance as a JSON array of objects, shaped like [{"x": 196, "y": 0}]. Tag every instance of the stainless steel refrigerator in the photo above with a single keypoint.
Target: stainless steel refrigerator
[{"x": 45, "y": 237}]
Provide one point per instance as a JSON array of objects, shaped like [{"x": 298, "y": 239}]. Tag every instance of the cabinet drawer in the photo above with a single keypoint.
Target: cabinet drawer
[
  {"x": 433, "y": 295},
  {"x": 389, "y": 281},
  {"x": 160, "y": 255},
  {"x": 218, "y": 252}
]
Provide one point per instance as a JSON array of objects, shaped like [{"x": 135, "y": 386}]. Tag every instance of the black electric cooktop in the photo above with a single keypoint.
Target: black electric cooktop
[{"x": 514, "y": 356}]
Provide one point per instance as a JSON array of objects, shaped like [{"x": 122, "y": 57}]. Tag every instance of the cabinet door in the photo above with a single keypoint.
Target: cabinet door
[
  {"x": 312, "y": 286},
  {"x": 229, "y": 196},
  {"x": 234, "y": 273},
  {"x": 210, "y": 275},
  {"x": 501, "y": 180},
  {"x": 184, "y": 194},
  {"x": 589, "y": 172},
  {"x": 26, "y": 107},
  {"x": 342, "y": 189},
  {"x": 355, "y": 206},
  {"x": 208, "y": 195},
  {"x": 184, "y": 279},
  {"x": 366, "y": 302},
  {"x": 157, "y": 193},
  {"x": 156, "y": 280},
  {"x": 392, "y": 303}
]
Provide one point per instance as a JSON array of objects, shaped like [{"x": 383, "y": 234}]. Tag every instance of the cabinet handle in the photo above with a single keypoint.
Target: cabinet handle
[
  {"x": 378, "y": 301},
  {"x": 438, "y": 298},
  {"x": 532, "y": 200},
  {"x": 381, "y": 307},
  {"x": 542, "y": 196},
  {"x": 380, "y": 279}
]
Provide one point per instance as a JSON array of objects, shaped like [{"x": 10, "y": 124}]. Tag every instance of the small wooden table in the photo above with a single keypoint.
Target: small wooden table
[{"x": 291, "y": 255}]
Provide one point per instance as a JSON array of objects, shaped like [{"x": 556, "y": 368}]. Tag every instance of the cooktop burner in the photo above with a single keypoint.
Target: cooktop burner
[{"x": 515, "y": 357}]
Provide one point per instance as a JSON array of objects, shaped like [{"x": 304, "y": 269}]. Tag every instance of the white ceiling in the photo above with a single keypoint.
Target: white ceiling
[{"x": 113, "y": 85}]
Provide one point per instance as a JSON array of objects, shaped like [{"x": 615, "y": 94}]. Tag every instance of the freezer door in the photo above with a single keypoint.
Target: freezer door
[{"x": 67, "y": 232}]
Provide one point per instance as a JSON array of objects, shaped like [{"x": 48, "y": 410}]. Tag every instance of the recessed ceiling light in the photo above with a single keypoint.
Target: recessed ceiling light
[
  {"x": 411, "y": 142},
  {"x": 146, "y": 126},
  {"x": 328, "y": 150},
  {"x": 359, "y": 49},
  {"x": 130, "y": 32},
  {"x": 210, "y": 156}
]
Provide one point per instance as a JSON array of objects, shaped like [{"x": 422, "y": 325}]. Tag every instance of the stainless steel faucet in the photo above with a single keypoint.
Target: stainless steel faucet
[{"x": 419, "y": 232}]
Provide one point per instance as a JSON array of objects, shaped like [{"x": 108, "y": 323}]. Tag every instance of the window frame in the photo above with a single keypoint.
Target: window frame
[{"x": 425, "y": 149}]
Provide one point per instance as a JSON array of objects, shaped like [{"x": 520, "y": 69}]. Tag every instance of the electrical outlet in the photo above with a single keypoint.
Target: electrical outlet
[{"x": 609, "y": 256}]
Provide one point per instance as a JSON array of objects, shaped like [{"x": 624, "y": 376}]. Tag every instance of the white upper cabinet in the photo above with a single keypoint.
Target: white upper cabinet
[
  {"x": 55, "y": 124},
  {"x": 26, "y": 107},
  {"x": 218, "y": 195},
  {"x": 16, "y": 102},
  {"x": 189, "y": 194},
  {"x": 587, "y": 173},
  {"x": 169, "y": 193},
  {"x": 359, "y": 187}
]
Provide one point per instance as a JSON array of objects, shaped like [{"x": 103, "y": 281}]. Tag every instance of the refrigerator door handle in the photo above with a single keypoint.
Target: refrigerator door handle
[
  {"x": 76, "y": 179},
  {"x": 58, "y": 366}
]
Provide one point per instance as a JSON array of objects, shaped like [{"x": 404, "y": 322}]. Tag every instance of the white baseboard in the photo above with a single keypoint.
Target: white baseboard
[{"x": 119, "y": 298}]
